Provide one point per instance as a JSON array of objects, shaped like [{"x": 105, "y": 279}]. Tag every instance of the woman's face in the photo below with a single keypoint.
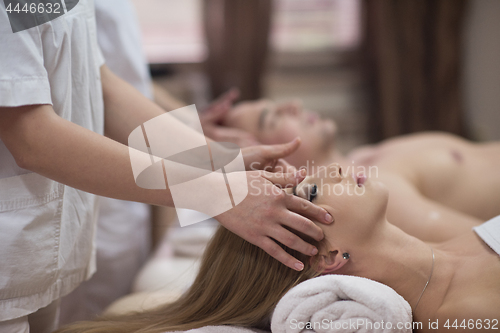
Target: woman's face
[
  {"x": 357, "y": 203},
  {"x": 273, "y": 123}
]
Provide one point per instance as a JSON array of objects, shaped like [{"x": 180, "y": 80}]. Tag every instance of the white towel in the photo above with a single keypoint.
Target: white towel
[
  {"x": 222, "y": 329},
  {"x": 490, "y": 233},
  {"x": 341, "y": 303}
]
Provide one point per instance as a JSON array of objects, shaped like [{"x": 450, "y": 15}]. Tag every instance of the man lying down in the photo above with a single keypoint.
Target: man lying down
[
  {"x": 440, "y": 185},
  {"x": 434, "y": 181}
]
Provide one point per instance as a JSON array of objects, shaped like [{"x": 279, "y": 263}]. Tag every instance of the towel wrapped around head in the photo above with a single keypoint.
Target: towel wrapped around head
[{"x": 341, "y": 303}]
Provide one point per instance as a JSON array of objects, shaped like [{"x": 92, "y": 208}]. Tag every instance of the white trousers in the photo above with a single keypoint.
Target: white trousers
[{"x": 45, "y": 320}]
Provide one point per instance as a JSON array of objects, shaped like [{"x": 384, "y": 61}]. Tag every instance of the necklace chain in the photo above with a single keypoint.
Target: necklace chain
[{"x": 428, "y": 280}]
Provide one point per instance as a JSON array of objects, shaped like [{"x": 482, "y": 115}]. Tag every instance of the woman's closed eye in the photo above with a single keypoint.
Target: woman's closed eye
[
  {"x": 313, "y": 193},
  {"x": 308, "y": 192}
]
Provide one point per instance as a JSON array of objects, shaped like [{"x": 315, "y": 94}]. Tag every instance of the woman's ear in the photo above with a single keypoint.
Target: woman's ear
[{"x": 329, "y": 263}]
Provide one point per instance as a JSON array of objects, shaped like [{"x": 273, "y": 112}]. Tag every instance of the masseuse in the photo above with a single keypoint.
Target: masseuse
[{"x": 57, "y": 100}]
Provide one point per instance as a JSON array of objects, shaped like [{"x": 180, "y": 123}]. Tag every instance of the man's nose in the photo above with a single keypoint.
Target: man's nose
[{"x": 292, "y": 109}]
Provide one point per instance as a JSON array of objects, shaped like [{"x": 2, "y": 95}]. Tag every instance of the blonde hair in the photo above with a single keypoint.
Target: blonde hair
[{"x": 238, "y": 284}]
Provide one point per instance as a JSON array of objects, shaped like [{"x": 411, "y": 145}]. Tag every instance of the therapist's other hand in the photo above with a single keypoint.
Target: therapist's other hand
[
  {"x": 213, "y": 116},
  {"x": 218, "y": 109},
  {"x": 227, "y": 134},
  {"x": 270, "y": 157},
  {"x": 262, "y": 216}
]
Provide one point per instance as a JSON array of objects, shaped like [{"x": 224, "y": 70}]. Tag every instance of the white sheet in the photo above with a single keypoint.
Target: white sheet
[{"x": 490, "y": 233}]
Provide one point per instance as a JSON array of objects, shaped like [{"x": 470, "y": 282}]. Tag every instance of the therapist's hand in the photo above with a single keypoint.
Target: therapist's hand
[
  {"x": 262, "y": 216},
  {"x": 270, "y": 157},
  {"x": 213, "y": 116},
  {"x": 218, "y": 109}
]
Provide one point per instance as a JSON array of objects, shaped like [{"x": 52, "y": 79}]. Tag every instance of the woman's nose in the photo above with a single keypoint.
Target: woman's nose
[
  {"x": 335, "y": 171},
  {"x": 330, "y": 174}
]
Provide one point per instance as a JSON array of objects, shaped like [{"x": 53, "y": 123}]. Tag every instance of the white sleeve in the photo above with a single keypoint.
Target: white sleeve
[
  {"x": 119, "y": 39},
  {"x": 23, "y": 77}
]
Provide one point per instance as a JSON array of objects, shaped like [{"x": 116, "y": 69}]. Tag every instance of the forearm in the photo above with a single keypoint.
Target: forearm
[
  {"x": 125, "y": 107},
  {"x": 47, "y": 144},
  {"x": 164, "y": 99}
]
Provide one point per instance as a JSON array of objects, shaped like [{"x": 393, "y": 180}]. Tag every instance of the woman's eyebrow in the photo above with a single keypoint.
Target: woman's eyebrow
[{"x": 262, "y": 118}]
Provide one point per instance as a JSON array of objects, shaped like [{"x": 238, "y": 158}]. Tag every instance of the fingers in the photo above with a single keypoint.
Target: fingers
[
  {"x": 215, "y": 112},
  {"x": 218, "y": 109},
  {"x": 284, "y": 179},
  {"x": 231, "y": 95},
  {"x": 308, "y": 209},
  {"x": 236, "y": 136},
  {"x": 284, "y": 166},
  {"x": 282, "y": 150},
  {"x": 305, "y": 226},
  {"x": 277, "y": 252}
]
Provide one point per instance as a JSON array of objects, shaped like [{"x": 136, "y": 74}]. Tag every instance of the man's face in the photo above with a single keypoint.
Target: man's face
[{"x": 273, "y": 123}]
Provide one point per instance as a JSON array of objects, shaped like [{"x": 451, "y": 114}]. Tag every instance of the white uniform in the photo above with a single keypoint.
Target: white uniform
[
  {"x": 123, "y": 227},
  {"x": 46, "y": 228},
  {"x": 119, "y": 38}
]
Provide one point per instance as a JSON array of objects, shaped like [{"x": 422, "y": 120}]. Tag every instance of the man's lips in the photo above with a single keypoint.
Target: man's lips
[{"x": 312, "y": 118}]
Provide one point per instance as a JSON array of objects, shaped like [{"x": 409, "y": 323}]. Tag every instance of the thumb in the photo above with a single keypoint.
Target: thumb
[
  {"x": 283, "y": 150},
  {"x": 216, "y": 112},
  {"x": 232, "y": 95},
  {"x": 285, "y": 179}
]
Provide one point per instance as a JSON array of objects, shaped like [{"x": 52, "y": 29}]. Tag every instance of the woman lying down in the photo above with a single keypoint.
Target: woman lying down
[{"x": 239, "y": 284}]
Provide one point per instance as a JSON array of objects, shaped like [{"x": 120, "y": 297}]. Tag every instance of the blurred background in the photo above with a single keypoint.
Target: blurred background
[{"x": 378, "y": 67}]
